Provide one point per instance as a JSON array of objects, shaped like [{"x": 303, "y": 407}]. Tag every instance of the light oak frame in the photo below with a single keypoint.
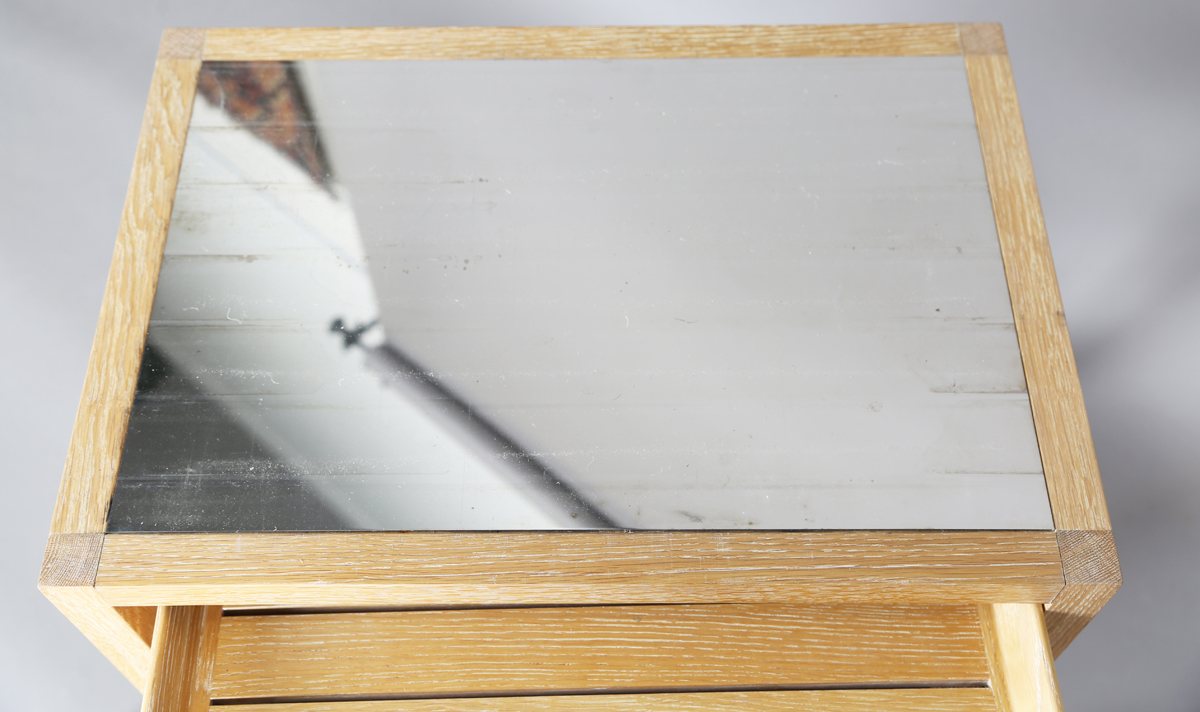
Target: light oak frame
[{"x": 110, "y": 585}]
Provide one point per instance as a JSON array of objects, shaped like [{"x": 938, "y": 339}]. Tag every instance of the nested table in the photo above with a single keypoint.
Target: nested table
[{"x": 559, "y": 368}]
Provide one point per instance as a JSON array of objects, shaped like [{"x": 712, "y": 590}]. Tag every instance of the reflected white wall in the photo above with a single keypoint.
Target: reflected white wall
[{"x": 259, "y": 261}]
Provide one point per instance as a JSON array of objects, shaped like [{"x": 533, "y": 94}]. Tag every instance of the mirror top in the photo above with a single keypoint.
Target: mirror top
[{"x": 562, "y": 294}]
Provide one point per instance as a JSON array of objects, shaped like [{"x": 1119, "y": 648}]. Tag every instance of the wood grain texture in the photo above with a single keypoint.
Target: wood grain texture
[
  {"x": 546, "y": 650},
  {"x": 182, "y": 43},
  {"x": 982, "y": 38},
  {"x": 68, "y": 572},
  {"x": 141, "y": 619},
  {"x": 71, "y": 560},
  {"x": 580, "y": 42},
  {"x": 105, "y": 628},
  {"x": 99, "y": 431},
  {"x": 928, "y": 700},
  {"x": 515, "y": 568},
  {"x": 1092, "y": 575},
  {"x": 1018, "y": 650},
  {"x": 1065, "y": 440},
  {"x": 185, "y": 645}
]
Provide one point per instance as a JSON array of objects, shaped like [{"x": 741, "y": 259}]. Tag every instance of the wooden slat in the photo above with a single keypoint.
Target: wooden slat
[
  {"x": 609, "y": 648},
  {"x": 1018, "y": 649},
  {"x": 926, "y": 700},
  {"x": 185, "y": 645},
  {"x": 99, "y": 432},
  {"x": 515, "y": 568},
  {"x": 580, "y": 42},
  {"x": 1092, "y": 575},
  {"x": 1068, "y": 457}
]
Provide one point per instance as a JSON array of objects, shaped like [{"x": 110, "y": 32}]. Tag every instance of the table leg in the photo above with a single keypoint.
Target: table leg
[
  {"x": 1022, "y": 665},
  {"x": 181, "y": 659}
]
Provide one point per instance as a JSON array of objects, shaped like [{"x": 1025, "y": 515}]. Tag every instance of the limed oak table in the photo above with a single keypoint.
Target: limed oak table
[{"x": 566, "y": 368}]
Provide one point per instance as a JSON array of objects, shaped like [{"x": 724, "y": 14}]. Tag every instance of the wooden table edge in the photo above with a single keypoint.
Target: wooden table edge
[
  {"x": 1072, "y": 473},
  {"x": 554, "y": 568}
]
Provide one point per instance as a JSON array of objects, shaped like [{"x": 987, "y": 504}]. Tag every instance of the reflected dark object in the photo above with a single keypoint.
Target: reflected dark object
[
  {"x": 154, "y": 371},
  {"x": 351, "y": 337},
  {"x": 476, "y": 431},
  {"x": 269, "y": 99},
  {"x": 188, "y": 466}
]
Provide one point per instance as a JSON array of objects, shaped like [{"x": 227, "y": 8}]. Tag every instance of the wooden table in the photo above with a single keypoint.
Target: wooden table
[{"x": 556, "y": 368}]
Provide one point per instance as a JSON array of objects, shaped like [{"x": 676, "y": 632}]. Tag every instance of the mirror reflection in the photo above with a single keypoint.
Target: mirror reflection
[{"x": 576, "y": 294}]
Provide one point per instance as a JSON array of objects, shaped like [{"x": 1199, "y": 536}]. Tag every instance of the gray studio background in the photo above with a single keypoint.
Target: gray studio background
[{"x": 1111, "y": 98}]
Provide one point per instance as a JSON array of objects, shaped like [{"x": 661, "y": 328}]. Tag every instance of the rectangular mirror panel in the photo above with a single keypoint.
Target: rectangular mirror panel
[{"x": 577, "y": 294}]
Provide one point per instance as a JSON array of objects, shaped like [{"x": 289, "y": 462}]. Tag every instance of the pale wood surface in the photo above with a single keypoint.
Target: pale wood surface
[
  {"x": 1092, "y": 575},
  {"x": 108, "y": 387},
  {"x": 109, "y": 632},
  {"x": 930, "y": 700},
  {"x": 1068, "y": 457},
  {"x": 1018, "y": 649},
  {"x": 99, "y": 430},
  {"x": 71, "y": 560},
  {"x": 580, "y": 42},
  {"x": 512, "y": 568},
  {"x": 185, "y": 645},
  {"x": 182, "y": 43},
  {"x": 507, "y": 651},
  {"x": 982, "y": 38},
  {"x": 67, "y": 575},
  {"x": 141, "y": 619}
]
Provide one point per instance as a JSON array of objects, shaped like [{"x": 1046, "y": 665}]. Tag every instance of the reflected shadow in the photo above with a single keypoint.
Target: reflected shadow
[
  {"x": 474, "y": 429},
  {"x": 189, "y": 466}
]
